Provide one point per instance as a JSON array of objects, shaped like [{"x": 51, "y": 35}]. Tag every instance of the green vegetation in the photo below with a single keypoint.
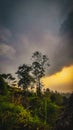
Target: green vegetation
[{"x": 28, "y": 110}]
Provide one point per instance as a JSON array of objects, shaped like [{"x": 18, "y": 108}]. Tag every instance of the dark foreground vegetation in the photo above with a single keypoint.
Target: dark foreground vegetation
[
  {"x": 28, "y": 110},
  {"x": 24, "y": 110}
]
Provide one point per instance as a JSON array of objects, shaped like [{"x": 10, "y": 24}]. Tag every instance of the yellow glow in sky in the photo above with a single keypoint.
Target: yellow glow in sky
[{"x": 61, "y": 81}]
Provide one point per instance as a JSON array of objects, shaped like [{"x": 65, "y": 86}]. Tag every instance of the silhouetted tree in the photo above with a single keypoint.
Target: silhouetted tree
[
  {"x": 25, "y": 78},
  {"x": 39, "y": 66},
  {"x": 8, "y": 78},
  {"x": 3, "y": 86}
]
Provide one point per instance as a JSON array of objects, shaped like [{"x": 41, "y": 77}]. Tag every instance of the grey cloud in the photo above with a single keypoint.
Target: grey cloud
[
  {"x": 5, "y": 34},
  {"x": 7, "y": 51},
  {"x": 64, "y": 55},
  {"x": 34, "y": 26},
  {"x": 25, "y": 16}
]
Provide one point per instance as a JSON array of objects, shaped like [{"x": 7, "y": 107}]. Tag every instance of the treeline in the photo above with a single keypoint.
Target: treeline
[{"x": 33, "y": 110}]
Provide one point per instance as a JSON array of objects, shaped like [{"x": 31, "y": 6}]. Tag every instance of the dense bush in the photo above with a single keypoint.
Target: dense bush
[
  {"x": 14, "y": 117},
  {"x": 3, "y": 86}
]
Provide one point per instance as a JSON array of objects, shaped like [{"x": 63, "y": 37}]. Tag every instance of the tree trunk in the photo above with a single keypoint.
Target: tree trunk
[{"x": 38, "y": 85}]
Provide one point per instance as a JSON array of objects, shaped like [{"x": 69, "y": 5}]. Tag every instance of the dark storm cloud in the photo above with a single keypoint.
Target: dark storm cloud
[
  {"x": 64, "y": 55},
  {"x": 67, "y": 26},
  {"x": 22, "y": 16},
  {"x": 30, "y": 25},
  {"x": 67, "y": 37}
]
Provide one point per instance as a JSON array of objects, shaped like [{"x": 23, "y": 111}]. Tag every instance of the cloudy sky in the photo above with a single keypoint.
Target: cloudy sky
[{"x": 27, "y": 26}]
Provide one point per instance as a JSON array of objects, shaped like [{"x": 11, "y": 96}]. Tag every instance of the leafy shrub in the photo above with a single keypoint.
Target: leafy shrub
[
  {"x": 16, "y": 117},
  {"x": 3, "y": 86}
]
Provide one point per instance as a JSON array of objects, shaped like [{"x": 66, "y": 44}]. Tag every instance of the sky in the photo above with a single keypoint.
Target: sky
[{"x": 27, "y": 26}]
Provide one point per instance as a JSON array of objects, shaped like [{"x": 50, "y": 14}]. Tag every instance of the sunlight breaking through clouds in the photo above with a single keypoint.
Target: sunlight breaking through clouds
[{"x": 60, "y": 81}]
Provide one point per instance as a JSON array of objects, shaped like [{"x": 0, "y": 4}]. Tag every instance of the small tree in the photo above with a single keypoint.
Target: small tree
[
  {"x": 39, "y": 66},
  {"x": 25, "y": 78},
  {"x": 8, "y": 78},
  {"x": 3, "y": 86}
]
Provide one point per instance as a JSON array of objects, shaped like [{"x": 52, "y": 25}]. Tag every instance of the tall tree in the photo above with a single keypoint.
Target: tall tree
[
  {"x": 25, "y": 78},
  {"x": 39, "y": 66}
]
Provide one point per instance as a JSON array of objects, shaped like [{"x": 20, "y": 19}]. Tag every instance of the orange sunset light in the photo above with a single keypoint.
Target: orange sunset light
[{"x": 60, "y": 81}]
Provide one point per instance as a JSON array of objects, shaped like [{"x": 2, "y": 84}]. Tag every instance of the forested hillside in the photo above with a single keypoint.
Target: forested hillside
[{"x": 25, "y": 110}]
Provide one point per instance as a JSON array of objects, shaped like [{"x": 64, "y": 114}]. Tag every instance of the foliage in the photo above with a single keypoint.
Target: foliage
[
  {"x": 31, "y": 74},
  {"x": 39, "y": 65},
  {"x": 15, "y": 117},
  {"x": 24, "y": 76},
  {"x": 56, "y": 98},
  {"x": 30, "y": 113},
  {"x": 9, "y": 79},
  {"x": 65, "y": 120},
  {"x": 44, "y": 109},
  {"x": 3, "y": 86}
]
